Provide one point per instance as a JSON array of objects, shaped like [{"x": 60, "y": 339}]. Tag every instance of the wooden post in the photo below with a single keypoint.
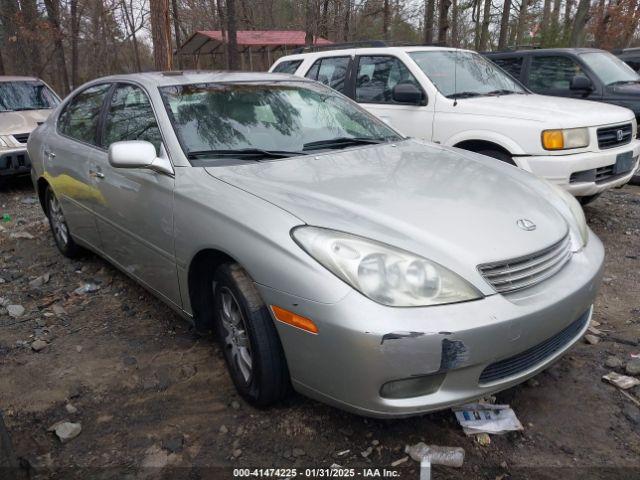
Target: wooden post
[{"x": 250, "y": 59}]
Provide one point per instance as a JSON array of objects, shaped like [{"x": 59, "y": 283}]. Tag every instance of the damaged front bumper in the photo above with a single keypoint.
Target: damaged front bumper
[
  {"x": 14, "y": 161},
  {"x": 457, "y": 352}
]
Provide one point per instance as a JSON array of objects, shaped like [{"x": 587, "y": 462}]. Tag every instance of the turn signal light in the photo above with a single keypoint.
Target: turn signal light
[
  {"x": 290, "y": 318},
  {"x": 553, "y": 139}
]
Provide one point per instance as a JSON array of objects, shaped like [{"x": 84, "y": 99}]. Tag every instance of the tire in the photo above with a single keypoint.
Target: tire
[
  {"x": 249, "y": 339},
  {"x": 59, "y": 228},
  {"x": 502, "y": 156},
  {"x": 586, "y": 200}
]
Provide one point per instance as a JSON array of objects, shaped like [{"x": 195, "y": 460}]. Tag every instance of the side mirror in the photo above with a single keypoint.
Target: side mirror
[
  {"x": 580, "y": 82},
  {"x": 408, "y": 93},
  {"x": 138, "y": 154}
]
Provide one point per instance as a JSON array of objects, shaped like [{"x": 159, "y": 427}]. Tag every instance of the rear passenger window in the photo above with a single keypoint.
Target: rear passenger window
[
  {"x": 79, "y": 119},
  {"x": 512, "y": 65},
  {"x": 552, "y": 73},
  {"x": 288, "y": 66},
  {"x": 378, "y": 75},
  {"x": 331, "y": 71}
]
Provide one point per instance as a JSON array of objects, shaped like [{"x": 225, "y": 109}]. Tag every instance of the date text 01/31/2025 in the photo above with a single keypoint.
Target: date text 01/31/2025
[{"x": 334, "y": 472}]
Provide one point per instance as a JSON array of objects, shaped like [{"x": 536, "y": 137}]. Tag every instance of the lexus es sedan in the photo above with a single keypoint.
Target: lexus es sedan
[{"x": 374, "y": 272}]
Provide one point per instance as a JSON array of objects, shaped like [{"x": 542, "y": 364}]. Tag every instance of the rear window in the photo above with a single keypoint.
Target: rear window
[
  {"x": 512, "y": 65},
  {"x": 288, "y": 66}
]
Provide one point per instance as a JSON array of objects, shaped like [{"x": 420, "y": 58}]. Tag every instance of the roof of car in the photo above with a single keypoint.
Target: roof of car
[
  {"x": 365, "y": 50},
  {"x": 507, "y": 53},
  {"x": 17, "y": 78},
  {"x": 162, "y": 79}
]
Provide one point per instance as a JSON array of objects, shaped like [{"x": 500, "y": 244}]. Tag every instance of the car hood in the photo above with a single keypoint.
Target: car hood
[
  {"x": 454, "y": 207},
  {"x": 556, "y": 112},
  {"x": 22, "y": 122}
]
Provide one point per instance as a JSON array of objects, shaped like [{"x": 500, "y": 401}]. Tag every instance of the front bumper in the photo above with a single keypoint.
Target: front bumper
[
  {"x": 14, "y": 161},
  {"x": 559, "y": 169},
  {"x": 362, "y": 345}
]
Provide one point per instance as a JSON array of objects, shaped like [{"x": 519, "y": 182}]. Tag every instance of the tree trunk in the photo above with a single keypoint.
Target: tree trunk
[
  {"x": 580, "y": 21},
  {"x": 386, "y": 19},
  {"x": 53, "y": 12},
  {"x": 429, "y": 12},
  {"x": 176, "y": 29},
  {"x": 309, "y": 21},
  {"x": 347, "y": 20},
  {"x": 486, "y": 19},
  {"x": 566, "y": 28},
  {"x": 233, "y": 58},
  {"x": 504, "y": 25},
  {"x": 522, "y": 23},
  {"x": 28, "y": 38},
  {"x": 75, "y": 35},
  {"x": 324, "y": 20},
  {"x": 455, "y": 22},
  {"x": 161, "y": 34},
  {"x": 443, "y": 21}
]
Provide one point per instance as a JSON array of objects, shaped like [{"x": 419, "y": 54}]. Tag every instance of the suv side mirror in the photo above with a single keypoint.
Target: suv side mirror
[
  {"x": 408, "y": 93},
  {"x": 580, "y": 82},
  {"x": 138, "y": 154}
]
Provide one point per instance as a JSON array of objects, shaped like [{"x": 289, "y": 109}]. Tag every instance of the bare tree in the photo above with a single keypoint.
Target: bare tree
[
  {"x": 504, "y": 25},
  {"x": 484, "y": 32},
  {"x": 443, "y": 21},
  {"x": 233, "y": 58},
  {"x": 161, "y": 34},
  {"x": 429, "y": 12},
  {"x": 176, "y": 29},
  {"x": 53, "y": 12},
  {"x": 579, "y": 23},
  {"x": 522, "y": 22}
]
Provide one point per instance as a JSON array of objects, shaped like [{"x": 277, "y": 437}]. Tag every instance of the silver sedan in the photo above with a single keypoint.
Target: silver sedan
[{"x": 377, "y": 273}]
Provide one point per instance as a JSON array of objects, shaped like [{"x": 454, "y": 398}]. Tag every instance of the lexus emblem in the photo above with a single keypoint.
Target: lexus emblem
[
  {"x": 620, "y": 135},
  {"x": 526, "y": 224}
]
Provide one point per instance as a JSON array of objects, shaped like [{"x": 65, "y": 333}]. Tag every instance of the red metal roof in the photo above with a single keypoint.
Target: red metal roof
[{"x": 204, "y": 41}]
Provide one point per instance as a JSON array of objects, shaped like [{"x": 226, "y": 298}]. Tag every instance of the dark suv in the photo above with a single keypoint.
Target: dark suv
[{"x": 586, "y": 73}]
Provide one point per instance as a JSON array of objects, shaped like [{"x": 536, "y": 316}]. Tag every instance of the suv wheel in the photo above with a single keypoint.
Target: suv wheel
[
  {"x": 61, "y": 233},
  {"x": 249, "y": 338}
]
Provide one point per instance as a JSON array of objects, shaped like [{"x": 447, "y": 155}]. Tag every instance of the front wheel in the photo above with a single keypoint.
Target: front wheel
[
  {"x": 252, "y": 348},
  {"x": 61, "y": 234}
]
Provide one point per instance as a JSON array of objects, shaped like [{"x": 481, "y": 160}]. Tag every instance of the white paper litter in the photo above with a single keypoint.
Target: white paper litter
[
  {"x": 477, "y": 418},
  {"x": 621, "y": 381}
]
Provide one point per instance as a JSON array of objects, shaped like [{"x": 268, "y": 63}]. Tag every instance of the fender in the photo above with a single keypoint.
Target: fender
[{"x": 487, "y": 136}]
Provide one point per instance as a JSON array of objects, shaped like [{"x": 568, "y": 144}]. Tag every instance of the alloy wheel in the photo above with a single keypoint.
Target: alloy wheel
[
  {"x": 58, "y": 223},
  {"x": 236, "y": 338}
]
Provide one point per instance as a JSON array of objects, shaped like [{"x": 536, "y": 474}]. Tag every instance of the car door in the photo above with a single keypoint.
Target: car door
[
  {"x": 552, "y": 74},
  {"x": 331, "y": 71},
  {"x": 136, "y": 219},
  {"x": 512, "y": 65},
  {"x": 375, "y": 78},
  {"x": 69, "y": 153}
]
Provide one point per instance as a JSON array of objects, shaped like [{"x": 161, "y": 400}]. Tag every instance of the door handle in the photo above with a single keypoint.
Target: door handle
[
  {"x": 95, "y": 174},
  {"x": 49, "y": 154}
]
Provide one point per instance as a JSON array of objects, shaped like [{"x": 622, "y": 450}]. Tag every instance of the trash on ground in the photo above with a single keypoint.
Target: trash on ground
[
  {"x": 434, "y": 454},
  {"x": 21, "y": 235},
  {"x": 591, "y": 339},
  {"x": 87, "y": 288},
  {"x": 483, "y": 439},
  {"x": 66, "y": 430},
  {"x": 621, "y": 381},
  {"x": 477, "y": 418},
  {"x": 6, "y": 217},
  {"x": 400, "y": 461}
]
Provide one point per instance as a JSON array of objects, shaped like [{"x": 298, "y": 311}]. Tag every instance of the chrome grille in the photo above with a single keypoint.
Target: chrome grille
[
  {"x": 529, "y": 270},
  {"x": 608, "y": 137}
]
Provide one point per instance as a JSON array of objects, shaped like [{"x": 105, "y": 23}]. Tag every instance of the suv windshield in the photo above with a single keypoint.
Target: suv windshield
[
  {"x": 274, "y": 120},
  {"x": 16, "y": 96},
  {"x": 465, "y": 74},
  {"x": 609, "y": 68}
]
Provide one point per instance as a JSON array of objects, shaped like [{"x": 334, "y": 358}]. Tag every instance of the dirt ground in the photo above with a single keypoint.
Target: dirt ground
[{"x": 154, "y": 400}]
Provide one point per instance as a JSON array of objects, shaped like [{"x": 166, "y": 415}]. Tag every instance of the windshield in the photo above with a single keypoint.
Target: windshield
[
  {"x": 609, "y": 68},
  {"x": 276, "y": 118},
  {"x": 16, "y": 96},
  {"x": 465, "y": 74}
]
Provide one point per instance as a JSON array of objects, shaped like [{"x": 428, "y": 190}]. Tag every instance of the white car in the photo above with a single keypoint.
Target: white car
[{"x": 458, "y": 98}]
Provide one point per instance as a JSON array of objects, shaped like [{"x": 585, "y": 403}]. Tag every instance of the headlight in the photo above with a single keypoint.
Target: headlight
[
  {"x": 564, "y": 139},
  {"x": 383, "y": 273},
  {"x": 576, "y": 210}
]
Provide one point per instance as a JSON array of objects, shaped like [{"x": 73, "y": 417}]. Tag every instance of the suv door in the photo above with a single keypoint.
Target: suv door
[
  {"x": 136, "y": 219},
  {"x": 512, "y": 65},
  {"x": 375, "y": 78},
  {"x": 69, "y": 157},
  {"x": 552, "y": 74},
  {"x": 331, "y": 71}
]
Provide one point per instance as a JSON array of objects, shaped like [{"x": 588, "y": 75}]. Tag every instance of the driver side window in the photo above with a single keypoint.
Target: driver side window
[
  {"x": 130, "y": 117},
  {"x": 377, "y": 75},
  {"x": 552, "y": 73}
]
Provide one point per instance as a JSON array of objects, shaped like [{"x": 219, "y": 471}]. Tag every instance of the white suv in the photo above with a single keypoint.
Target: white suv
[{"x": 458, "y": 98}]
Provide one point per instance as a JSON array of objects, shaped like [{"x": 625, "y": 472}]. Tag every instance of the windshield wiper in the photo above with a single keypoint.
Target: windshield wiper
[
  {"x": 464, "y": 95},
  {"x": 340, "y": 142},
  {"x": 244, "y": 154},
  {"x": 503, "y": 91},
  {"x": 622, "y": 82}
]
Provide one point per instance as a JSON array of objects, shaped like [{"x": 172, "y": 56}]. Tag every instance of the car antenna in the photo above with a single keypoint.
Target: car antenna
[{"x": 455, "y": 79}]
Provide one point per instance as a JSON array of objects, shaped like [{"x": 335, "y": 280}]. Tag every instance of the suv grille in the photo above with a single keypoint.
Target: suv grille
[
  {"x": 529, "y": 270},
  {"x": 535, "y": 355},
  {"x": 608, "y": 137},
  {"x": 21, "y": 137}
]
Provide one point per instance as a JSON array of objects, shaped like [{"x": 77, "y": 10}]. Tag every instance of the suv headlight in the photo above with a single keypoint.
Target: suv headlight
[
  {"x": 565, "y": 139},
  {"x": 385, "y": 274},
  {"x": 576, "y": 211}
]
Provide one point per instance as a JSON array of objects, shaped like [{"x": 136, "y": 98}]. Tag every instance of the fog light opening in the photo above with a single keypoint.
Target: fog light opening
[{"x": 413, "y": 386}]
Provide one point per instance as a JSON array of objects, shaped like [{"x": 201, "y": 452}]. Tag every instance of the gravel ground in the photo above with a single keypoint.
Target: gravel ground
[{"x": 153, "y": 399}]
